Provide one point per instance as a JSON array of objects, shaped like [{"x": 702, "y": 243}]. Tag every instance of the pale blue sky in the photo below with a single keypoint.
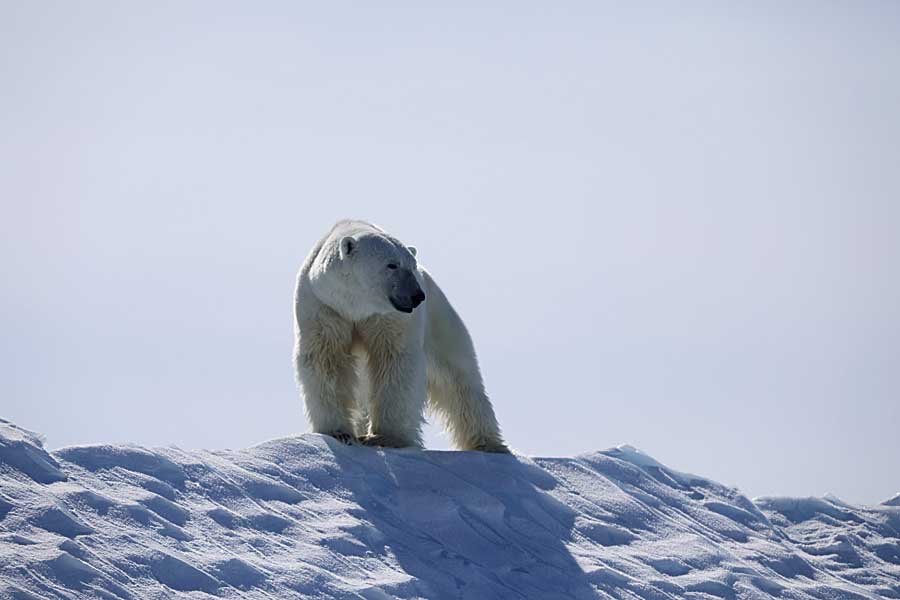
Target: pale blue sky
[{"x": 673, "y": 225}]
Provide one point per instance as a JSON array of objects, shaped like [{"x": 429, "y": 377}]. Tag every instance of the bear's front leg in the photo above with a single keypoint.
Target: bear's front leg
[
  {"x": 325, "y": 371},
  {"x": 396, "y": 367}
]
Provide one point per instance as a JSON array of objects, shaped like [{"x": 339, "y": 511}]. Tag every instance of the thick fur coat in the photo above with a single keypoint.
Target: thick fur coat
[{"x": 376, "y": 340}]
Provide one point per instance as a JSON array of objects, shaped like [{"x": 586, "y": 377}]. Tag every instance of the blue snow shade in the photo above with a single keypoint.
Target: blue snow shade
[{"x": 307, "y": 517}]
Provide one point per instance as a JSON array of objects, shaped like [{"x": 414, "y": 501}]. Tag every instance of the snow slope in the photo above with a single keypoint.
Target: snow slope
[{"x": 305, "y": 517}]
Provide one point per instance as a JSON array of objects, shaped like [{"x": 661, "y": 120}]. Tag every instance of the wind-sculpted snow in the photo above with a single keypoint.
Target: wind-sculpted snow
[{"x": 307, "y": 517}]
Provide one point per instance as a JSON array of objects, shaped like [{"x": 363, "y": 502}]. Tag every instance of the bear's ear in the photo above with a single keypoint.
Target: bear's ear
[
  {"x": 412, "y": 250},
  {"x": 348, "y": 245}
]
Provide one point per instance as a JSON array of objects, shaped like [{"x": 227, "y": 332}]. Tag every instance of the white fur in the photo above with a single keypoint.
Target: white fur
[{"x": 366, "y": 368}]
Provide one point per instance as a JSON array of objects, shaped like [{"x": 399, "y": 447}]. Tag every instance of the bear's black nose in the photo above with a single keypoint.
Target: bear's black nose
[{"x": 418, "y": 298}]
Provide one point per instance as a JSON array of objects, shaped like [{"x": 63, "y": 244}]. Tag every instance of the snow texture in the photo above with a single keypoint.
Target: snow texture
[{"x": 307, "y": 517}]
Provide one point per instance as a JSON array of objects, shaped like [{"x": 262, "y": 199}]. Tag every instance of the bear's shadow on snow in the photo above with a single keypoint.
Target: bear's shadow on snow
[{"x": 461, "y": 523}]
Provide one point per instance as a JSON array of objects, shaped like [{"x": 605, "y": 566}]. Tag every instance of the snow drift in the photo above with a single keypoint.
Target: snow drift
[{"x": 306, "y": 517}]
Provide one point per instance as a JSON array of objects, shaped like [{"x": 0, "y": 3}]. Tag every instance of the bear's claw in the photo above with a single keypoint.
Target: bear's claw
[
  {"x": 344, "y": 437},
  {"x": 489, "y": 446},
  {"x": 379, "y": 440}
]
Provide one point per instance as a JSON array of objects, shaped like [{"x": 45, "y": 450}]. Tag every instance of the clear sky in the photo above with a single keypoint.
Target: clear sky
[{"x": 673, "y": 225}]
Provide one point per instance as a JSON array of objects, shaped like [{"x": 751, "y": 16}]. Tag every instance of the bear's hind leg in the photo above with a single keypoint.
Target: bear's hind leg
[{"x": 465, "y": 409}]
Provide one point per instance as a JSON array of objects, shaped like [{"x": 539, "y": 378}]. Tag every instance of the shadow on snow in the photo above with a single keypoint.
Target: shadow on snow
[{"x": 464, "y": 524}]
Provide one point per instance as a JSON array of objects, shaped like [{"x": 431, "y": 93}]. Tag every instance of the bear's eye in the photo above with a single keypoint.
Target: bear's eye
[{"x": 391, "y": 266}]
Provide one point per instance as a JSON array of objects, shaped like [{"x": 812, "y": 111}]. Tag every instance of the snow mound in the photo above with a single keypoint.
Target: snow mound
[
  {"x": 307, "y": 517},
  {"x": 23, "y": 452}
]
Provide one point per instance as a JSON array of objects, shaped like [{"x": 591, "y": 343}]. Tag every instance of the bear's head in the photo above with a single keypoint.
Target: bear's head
[{"x": 366, "y": 274}]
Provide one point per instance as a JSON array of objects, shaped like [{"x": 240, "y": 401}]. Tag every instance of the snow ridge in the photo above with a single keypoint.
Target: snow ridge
[{"x": 307, "y": 517}]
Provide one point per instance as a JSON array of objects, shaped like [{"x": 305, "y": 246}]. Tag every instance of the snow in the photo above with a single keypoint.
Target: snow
[{"x": 307, "y": 517}]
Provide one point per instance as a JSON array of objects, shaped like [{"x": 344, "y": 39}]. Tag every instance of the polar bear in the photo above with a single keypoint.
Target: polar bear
[{"x": 375, "y": 339}]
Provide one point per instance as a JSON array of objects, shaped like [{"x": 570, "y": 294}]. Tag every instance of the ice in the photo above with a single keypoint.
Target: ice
[{"x": 308, "y": 517}]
